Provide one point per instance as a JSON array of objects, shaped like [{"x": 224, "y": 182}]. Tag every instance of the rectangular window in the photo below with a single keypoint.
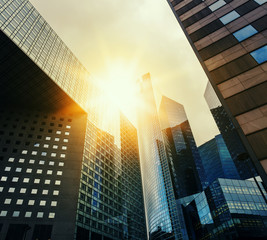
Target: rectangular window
[
  {"x": 34, "y": 191},
  {"x": 229, "y": 17},
  {"x": 47, "y": 181},
  {"x": 11, "y": 190},
  {"x": 21, "y": 160},
  {"x": 23, "y": 190},
  {"x": 260, "y": 55},
  {"x": 3, "y": 213},
  {"x": 213, "y": 7},
  {"x": 28, "y": 214},
  {"x": 260, "y": 1},
  {"x": 42, "y": 203},
  {"x": 31, "y": 161},
  {"x": 53, "y": 203},
  {"x": 245, "y": 33}
]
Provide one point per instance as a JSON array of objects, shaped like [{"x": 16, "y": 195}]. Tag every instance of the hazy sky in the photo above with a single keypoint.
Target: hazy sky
[{"x": 136, "y": 36}]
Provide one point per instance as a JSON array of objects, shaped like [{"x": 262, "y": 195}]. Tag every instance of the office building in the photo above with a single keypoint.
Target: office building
[
  {"x": 229, "y": 39},
  {"x": 63, "y": 176},
  {"x": 162, "y": 214},
  {"x": 217, "y": 160},
  {"x": 185, "y": 163},
  {"x": 229, "y": 134},
  {"x": 228, "y": 209}
]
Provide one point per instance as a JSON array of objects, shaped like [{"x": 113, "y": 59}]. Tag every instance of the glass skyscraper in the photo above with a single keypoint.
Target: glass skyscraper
[
  {"x": 162, "y": 214},
  {"x": 229, "y": 133},
  {"x": 217, "y": 160},
  {"x": 185, "y": 163},
  {"x": 229, "y": 39},
  {"x": 69, "y": 170}
]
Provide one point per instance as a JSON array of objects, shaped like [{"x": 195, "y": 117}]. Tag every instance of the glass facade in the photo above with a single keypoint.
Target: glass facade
[
  {"x": 161, "y": 210},
  {"x": 187, "y": 171},
  {"x": 229, "y": 39},
  {"x": 217, "y": 161},
  {"x": 229, "y": 209},
  {"x": 70, "y": 161}
]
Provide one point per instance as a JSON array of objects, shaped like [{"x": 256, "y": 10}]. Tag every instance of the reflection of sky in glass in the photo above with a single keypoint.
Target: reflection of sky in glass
[
  {"x": 260, "y": 55},
  {"x": 245, "y": 33},
  {"x": 231, "y": 16},
  {"x": 217, "y": 5},
  {"x": 260, "y": 1}
]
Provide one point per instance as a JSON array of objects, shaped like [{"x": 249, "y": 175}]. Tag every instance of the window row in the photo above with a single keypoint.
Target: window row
[
  {"x": 31, "y": 202},
  {"x": 41, "y": 162},
  {"x": 27, "y": 214},
  {"x": 35, "y": 191},
  {"x": 44, "y": 154},
  {"x": 47, "y": 146},
  {"x": 27, "y": 180}
]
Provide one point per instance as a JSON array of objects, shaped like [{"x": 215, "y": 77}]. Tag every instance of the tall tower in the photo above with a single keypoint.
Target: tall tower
[
  {"x": 62, "y": 174},
  {"x": 229, "y": 39},
  {"x": 186, "y": 167},
  {"x": 160, "y": 206}
]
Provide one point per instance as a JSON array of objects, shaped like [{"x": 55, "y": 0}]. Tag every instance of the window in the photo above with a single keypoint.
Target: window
[
  {"x": 53, "y": 154},
  {"x": 57, "y": 139},
  {"x": 46, "y": 145},
  {"x": 59, "y": 173},
  {"x": 260, "y": 55},
  {"x": 47, "y": 181},
  {"x": 11, "y": 159},
  {"x": 43, "y": 153},
  {"x": 68, "y": 126},
  {"x": 260, "y": 1},
  {"x": 37, "y": 181},
  {"x": 11, "y": 190},
  {"x": 55, "y": 192},
  {"x": 23, "y": 190},
  {"x": 51, "y": 163},
  {"x": 31, "y": 161},
  {"x": 62, "y": 155},
  {"x": 26, "y": 180},
  {"x": 19, "y": 202},
  {"x": 7, "y": 201},
  {"x": 66, "y": 140},
  {"x": 1, "y": 189},
  {"x": 45, "y": 192},
  {"x": 51, "y": 215},
  {"x": 41, "y": 162},
  {"x": 229, "y": 17},
  {"x": 36, "y": 145},
  {"x": 213, "y": 7},
  {"x": 21, "y": 160},
  {"x": 49, "y": 172},
  {"x": 18, "y": 169},
  {"x": 34, "y": 191},
  {"x": 55, "y": 146},
  {"x": 67, "y": 133},
  {"x": 48, "y": 138},
  {"x": 64, "y": 147},
  {"x": 16, "y": 213},
  {"x": 28, "y": 170},
  {"x": 39, "y": 171},
  {"x": 53, "y": 203},
  {"x": 42, "y": 203},
  {"x": 61, "y": 164},
  {"x": 28, "y": 214},
  {"x": 40, "y": 215},
  {"x": 3, "y": 213},
  {"x": 57, "y": 182},
  {"x": 7, "y": 169},
  {"x": 58, "y": 132},
  {"x": 245, "y": 33},
  {"x": 15, "y": 179},
  {"x": 24, "y": 152}
]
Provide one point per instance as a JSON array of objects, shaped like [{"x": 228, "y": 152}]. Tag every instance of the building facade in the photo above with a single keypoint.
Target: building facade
[
  {"x": 217, "y": 160},
  {"x": 229, "y": 39},
  {"x": 63, "y": 175},
  {"x": 229, "y": 134},
  {"x": 185, "y": 163},
  {"x": 162, "y": 214},
  {"x": 228, "y": 209}
]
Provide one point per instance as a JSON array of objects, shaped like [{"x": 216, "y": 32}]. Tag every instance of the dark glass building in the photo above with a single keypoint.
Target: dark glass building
[
  {"x": 229, "y": 134},
  {"x": 162, "y": 213},
  {"x": 62, "y": 175},
  {"x": 228, "y": 209},
  {"x": 217, "y": 160},
  {"x": 229, "y": 39},
  {"x": 187, "y": 171}
]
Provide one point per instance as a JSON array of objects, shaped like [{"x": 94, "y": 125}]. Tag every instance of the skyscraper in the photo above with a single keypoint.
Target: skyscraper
[
  {"x": 160, "y": 207},
  {"x": 229, "y": 133},
  {"x": 217, "y": 160},
  {"x": 63, "y": 175},
  {"x": 229, "y": 39},
  {"x": 185, "y": 163}
]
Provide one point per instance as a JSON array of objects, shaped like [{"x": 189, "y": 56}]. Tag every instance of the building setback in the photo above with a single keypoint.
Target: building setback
[
  {"x": 229, "y": 39},
  {"x": 62, "y": 176}
]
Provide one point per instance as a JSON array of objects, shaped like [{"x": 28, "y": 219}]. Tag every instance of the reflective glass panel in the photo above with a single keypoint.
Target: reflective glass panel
[
  {"x": 260, "y": 55},
  {"x": 229, "y": 17},
  {"x": 245, "y": 33}
]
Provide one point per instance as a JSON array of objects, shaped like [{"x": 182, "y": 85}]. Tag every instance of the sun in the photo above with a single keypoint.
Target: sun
[{"x": 119, "y": 81}]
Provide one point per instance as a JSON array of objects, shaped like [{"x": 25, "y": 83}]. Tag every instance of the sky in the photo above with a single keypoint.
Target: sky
[{"x": 118, "y": 41}]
